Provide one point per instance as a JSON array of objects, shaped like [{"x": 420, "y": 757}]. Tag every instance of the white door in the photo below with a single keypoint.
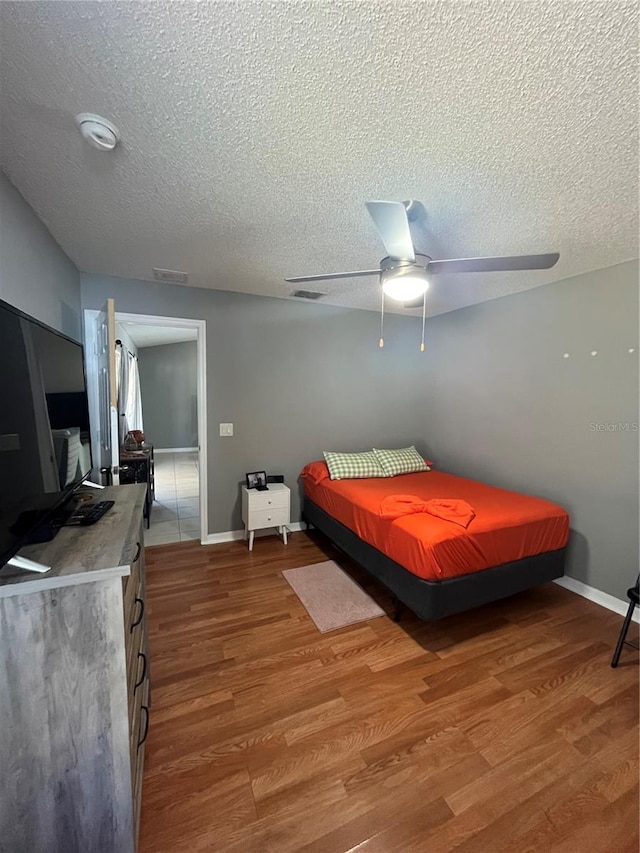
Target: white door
[{"x": 100, "y": 354}]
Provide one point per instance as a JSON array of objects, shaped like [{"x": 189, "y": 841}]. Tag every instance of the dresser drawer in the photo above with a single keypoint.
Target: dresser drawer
[
  {"x": 131, "y": 583},
  {"x": 137, "y": 753},
  {"x": 137, "y": 673},
  {"x": 268, "y": 518},
  {"x": 139, "y": 724},
  {"x": 268, "y": 500},
  {"x": 133, "y": 624}
]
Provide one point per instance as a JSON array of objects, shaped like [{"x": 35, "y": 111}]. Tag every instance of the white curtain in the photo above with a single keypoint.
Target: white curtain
[
  {"x": 122, "y": 382},
  {"x": 129, "y": 399},
  {"x": 134, "y": 400}
]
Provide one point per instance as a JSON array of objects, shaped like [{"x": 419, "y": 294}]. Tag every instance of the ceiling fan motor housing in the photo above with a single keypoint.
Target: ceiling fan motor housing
[{"x": 420, "y": 264}]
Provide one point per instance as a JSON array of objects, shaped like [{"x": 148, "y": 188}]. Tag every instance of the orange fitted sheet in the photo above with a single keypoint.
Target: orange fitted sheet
[{"x": 508, "y": 526}]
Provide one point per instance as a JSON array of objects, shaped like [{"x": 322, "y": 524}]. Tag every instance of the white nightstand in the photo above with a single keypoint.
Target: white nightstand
[{"x": 270, "y": 508}]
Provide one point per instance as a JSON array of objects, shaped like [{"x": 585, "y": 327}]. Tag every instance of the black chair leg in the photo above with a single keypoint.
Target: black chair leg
[{"x": 623, "y": 635}]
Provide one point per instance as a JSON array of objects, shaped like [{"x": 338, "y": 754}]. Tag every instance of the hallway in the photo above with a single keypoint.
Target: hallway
[{"x": 175, "y": 516}]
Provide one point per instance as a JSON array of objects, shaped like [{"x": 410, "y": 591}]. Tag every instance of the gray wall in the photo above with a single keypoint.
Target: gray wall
[
  {"x": 506, "y": 407},
  {"x": 35, "y": 274},
  {"x": 168, "y": 384},
  {"x": 294, "y": 378}
]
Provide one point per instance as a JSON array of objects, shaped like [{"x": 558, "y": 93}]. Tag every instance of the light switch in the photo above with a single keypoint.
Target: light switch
[{"x": 226, "y": 429}]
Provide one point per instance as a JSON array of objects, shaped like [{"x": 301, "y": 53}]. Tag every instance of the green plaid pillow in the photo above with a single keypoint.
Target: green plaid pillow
[
  {"x": 403, "y": 461},
  {"x": 353, "y": 466}
]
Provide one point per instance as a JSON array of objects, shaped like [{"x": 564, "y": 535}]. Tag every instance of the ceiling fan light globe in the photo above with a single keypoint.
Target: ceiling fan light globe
[{"x": 405, "y": 288}]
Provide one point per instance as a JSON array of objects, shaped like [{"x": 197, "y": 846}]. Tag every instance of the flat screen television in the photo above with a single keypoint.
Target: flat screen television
[{"x": 45, "y": 447}]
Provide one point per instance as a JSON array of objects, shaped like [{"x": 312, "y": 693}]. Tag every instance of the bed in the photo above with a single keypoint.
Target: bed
[{"x": 431, "y": 565}]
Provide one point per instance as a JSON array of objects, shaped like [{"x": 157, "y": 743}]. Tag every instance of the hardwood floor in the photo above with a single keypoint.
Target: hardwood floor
[{"x": 502, "y": 729}]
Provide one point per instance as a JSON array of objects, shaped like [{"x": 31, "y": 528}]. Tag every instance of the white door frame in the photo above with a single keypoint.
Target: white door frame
[{"x": 200, "y": 327}]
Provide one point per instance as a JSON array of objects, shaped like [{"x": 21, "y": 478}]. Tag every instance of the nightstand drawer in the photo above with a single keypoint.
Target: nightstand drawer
[
  {"x": 268, "y": 500},
  {"x": 275, "y": 517}
]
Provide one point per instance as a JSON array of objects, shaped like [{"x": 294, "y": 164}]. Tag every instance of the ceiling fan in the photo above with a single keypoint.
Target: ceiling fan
[{"x": 405, "y": 273}]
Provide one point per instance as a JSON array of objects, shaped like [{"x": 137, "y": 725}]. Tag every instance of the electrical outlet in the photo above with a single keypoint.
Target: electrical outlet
[{"x": 226, "y": 429}]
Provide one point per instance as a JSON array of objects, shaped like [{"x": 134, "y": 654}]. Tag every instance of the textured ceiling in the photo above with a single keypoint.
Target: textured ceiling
[{"x": 253, "y": 132}]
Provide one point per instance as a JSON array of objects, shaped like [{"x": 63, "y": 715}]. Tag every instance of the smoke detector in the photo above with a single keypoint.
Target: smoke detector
[{"x": 98, "y": 131}]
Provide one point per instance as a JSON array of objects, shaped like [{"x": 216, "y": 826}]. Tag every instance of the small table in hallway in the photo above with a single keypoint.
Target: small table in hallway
[{"x": 137, "y": 466}]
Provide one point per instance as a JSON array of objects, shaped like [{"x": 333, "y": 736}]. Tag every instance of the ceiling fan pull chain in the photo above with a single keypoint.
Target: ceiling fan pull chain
[
  {"x": 424, "y": 315},
  {"x": 381, "y": 341}
]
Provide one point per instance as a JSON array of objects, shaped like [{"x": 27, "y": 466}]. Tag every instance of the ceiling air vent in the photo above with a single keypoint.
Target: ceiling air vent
[
  {"x": 308, "y": 294},
  {"x": 173, "y": 276}
]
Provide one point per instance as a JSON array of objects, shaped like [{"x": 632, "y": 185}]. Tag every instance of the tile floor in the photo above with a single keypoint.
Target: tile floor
[{"x": 175, "y": 516}]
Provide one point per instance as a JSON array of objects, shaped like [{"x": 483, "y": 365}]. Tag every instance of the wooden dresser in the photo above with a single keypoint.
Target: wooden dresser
[{"x": 74, "y": 688}]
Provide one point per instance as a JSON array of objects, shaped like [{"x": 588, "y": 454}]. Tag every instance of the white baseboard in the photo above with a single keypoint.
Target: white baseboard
[
  {"x": 233, "y": 535},
  {"x": 597, "y": 596},
  {"x": 218, "y": 538},
  {"x": 175, "y": 449}
]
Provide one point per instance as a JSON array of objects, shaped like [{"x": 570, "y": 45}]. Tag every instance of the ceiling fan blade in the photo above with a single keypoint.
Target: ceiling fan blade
[
  {"x": 504, "y": 264},
  {"x": 415, "y": 303},
  {"x": 332, "y": 275},
  {"x": 390, "y": 218}
]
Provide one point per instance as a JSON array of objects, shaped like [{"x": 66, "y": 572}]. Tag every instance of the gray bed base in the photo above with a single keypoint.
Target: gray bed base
[{"x": 432, "y": 600}]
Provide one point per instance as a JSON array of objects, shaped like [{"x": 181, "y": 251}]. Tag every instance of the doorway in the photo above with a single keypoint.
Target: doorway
[{"x": 168, "y": 378}]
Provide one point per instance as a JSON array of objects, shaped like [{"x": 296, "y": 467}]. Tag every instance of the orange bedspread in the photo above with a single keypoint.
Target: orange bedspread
[{"x": 507, "y": 526}]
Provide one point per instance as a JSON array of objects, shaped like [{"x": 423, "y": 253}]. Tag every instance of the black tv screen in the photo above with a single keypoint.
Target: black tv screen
[{"x": 45, "y": 447}]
